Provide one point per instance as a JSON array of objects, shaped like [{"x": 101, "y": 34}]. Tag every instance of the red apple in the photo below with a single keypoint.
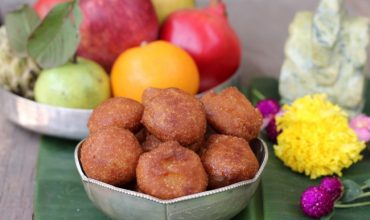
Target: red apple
[
  {"x": 110, "y": 26},
  {"x": 208, "y": 37},
  {"x": 42, "y": 7}
]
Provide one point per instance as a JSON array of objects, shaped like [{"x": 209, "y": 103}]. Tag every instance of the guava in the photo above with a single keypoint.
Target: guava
[{"x": 83, "y": 84}]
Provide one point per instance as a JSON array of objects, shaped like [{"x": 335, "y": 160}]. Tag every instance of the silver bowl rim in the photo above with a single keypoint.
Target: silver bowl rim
[
  {"x": 170, "y": 201},
  {"x": 42, "y": 105},
  {"x": 32, "y": 102}
]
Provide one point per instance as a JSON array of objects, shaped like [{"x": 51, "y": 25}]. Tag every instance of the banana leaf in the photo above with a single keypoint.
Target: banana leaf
[
  {"x": 281, "y": 187},
  {"x": 59, "y": 193}
]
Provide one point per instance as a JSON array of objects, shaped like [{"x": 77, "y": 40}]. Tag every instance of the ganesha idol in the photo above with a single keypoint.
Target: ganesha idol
[{"x": 326, "y": 53}]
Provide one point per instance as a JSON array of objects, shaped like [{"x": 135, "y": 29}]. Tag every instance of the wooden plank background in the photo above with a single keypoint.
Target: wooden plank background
[{"x": 262, "y": 26}]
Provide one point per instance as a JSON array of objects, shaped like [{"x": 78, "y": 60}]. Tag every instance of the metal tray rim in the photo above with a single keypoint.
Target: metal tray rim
[{"x": 31, "y": 102}]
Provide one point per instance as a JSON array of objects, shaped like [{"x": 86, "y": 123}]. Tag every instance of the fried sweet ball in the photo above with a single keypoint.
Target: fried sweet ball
[
  {"x": 118, "y": 111},
  {"x": 174, "y": 115},
  {"x": 170, "y": 171},
  {"x": 151, "y": 142},
  {"x": 230, "y": 112},
  {"x": 141, "y": 135},
  {"x": 197, "y": 146},
  {"x": 227, "y": 160},
  {"x": 110, "y": 155}
]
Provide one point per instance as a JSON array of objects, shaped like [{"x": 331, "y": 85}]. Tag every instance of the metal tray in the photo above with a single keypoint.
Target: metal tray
[
  {"x": 222, "y": 203},
  {"x": 45, "y": 119}
]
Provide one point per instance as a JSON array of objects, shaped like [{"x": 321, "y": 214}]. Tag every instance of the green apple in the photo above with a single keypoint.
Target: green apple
[
  {"x": 165, "y": 7},
  {"x": 83, "y": 84}
]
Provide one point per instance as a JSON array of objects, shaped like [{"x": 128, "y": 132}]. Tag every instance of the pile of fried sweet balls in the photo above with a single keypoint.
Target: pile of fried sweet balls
[{"x": 165, "y": 148}]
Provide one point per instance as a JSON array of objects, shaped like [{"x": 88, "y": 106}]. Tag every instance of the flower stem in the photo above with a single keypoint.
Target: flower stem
[
  {"x": 341, "y": 205},
  {"x": 363, "y": 195},
  {"x": 258, "y": 94}
]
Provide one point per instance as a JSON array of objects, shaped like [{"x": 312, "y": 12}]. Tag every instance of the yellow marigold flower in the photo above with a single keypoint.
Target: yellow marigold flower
[{"x": 316, "y": 139}]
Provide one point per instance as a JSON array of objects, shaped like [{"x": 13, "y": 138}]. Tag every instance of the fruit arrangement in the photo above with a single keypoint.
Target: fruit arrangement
[
  {"x": 75, "y": 53},
  {"x": 164, "y": 147}
]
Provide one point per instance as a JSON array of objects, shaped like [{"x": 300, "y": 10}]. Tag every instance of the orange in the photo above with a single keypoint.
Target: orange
[{"x": 159, "y": 64}]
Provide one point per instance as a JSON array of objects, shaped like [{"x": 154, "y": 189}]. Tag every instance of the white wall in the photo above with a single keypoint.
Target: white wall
[{"x": 262, "y": 26}]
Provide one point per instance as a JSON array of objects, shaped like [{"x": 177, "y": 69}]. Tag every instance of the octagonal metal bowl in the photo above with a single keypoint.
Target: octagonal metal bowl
[
  {"x": 217, "y": 204},
  {"x": 58, "y": 121}
]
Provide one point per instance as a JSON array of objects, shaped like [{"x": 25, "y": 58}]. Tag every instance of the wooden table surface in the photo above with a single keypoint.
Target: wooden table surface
[{"x": 262, "y": 26}]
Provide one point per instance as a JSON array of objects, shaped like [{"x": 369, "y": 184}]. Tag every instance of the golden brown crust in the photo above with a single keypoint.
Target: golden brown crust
[
  {"x": 141, "y": 135},
  {"x": 110, "y": 155},
  {"x": 151, "y": 142},
  {"x": 149, "y": 94},
  {"x": 118, "y": 111},
  {"x": 174, "y": 115},
  {"x": 197, "y": 146},
  {"x": 228, "y": 160},
  {"x": 230, "y": 112},
  {"x": 170, "y": 171}
]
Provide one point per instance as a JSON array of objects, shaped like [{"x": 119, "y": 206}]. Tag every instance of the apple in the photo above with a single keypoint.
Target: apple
[
  {"x": 83, "y": 84},
  {"x": 165, "y": 7},
  {"x": 111, "y": 26}
]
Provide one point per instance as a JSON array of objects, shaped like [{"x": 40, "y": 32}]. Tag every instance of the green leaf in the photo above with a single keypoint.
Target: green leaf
[
  {"x": 328, "y": 217},
  {"x": 19, "y": 25},
  {"x": 352, "y": 190},
  {"x": 282, "y": 188},
  {"x": 277, "y": 198},
  {"x": 268, "y": 89},
  {"x": 56, "y": 39},
  {"x": 59, "y": 193},
  {"x": 76, "y": 14},
  {"x": 367, "y": 183}
]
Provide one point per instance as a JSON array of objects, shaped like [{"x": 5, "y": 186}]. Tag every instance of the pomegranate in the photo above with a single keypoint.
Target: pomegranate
[{"x": 208, "y": 37}]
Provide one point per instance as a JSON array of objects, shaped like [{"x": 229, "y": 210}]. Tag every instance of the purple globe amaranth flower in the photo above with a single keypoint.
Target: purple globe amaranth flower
[
  {"x": 268, "y": 107},
  {"x": 272, "y": 131},
  {"x": 361, "y": 125},
  {"x": 316, "y": 202},
  {"x": 333, "y": 186}
]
